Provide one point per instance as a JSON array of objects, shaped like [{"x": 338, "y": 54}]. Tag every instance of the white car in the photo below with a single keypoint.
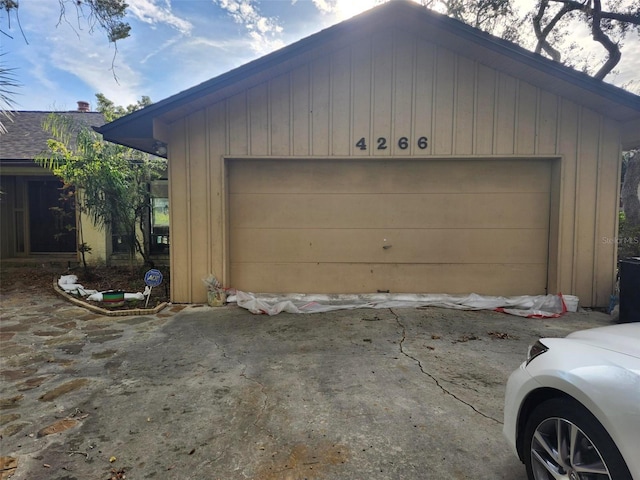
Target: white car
[{"x": 572, "y": 410}]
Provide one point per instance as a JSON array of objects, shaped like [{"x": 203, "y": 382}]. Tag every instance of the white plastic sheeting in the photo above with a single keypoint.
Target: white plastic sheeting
[
  {"x": 69, "y": 283},
  {"x": 540, "y": 306}
]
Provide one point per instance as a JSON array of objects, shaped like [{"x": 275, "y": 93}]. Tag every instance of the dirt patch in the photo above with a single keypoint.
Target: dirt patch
[
  {"x": 303, "y": 461},
  {"x": 32, "y": 278},
  {"x": 62, "y": 389}
]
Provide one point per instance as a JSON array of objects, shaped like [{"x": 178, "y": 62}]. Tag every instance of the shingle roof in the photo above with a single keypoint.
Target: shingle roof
[{"x": 25, "y": 138}]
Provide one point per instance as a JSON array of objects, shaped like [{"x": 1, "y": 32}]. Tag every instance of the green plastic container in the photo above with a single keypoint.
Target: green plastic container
[{"x": 113, "y": 298}]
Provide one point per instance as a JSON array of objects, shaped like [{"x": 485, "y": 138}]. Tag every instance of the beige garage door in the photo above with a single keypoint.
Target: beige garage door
[{"x": 421, "y": 226}]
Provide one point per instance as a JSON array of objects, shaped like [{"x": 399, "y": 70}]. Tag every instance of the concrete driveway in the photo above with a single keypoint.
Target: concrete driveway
[{"x": 218, "y": 393}]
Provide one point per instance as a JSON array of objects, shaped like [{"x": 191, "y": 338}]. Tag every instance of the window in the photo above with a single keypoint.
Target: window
[
  {"x": 159, "y": 217},
  {"x": 158, "y": 222}
]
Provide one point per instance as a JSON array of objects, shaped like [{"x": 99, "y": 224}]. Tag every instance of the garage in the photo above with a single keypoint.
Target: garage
[
  {"x": 354, "y": 226},
  {"x": 399, "y": 151}
]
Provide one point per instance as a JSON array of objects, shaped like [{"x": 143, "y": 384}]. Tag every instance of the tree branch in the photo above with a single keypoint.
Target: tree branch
[
  {"x": 599, "y": 36},
  {"x": 601, "y": 30},
  {"x": 542, "y": 34},
  {"x": 633, "y": 18}
]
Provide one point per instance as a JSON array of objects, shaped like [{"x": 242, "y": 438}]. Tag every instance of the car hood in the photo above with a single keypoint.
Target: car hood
[{"x": 623, "y": 338}]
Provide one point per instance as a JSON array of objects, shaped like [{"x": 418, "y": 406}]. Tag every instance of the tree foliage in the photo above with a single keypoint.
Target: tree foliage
[
  {"x": 629, "y": 194},
  {"x": 609, "y": 22},
  {"x": 498, "y": 17},
  {"x": 8, "y": 86},
  {"x": 112, "y": 112},
  {"x": 105, "y": 15},
  {"x": 111, "y": 181},
  {"x": 549, "y": 26}
]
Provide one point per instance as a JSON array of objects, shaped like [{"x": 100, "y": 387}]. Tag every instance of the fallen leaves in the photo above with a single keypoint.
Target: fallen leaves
[
  {"x": 117, "y": 474},
  {"x": 501, "y": 335},
  {"x": 466, "y": 338}
]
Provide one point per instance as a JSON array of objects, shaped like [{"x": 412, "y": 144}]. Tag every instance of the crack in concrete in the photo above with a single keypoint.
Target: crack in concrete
[
  {"x": 263, "y": 391},
  {"x": 259, "y": 416},
  {"x": 431, "y": 376}
]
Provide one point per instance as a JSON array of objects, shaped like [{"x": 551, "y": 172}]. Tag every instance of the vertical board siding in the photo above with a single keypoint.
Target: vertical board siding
[
  {"x": 238, "y": 131},
  {"x": 554, "y": 228},
  {"x": 567, "y": 144},
  {"x": 401, "y": 124},
  {"x": 361, "y": 95},
  {"x": 341, "y": 102},
  {"x": 199, "y": 197},
  {"x": 217, "y": 135},
  {"x": 258, "y": 120},
  {"x": 606, "y": 224},
  {"x": 382, "y": 90},
  {"x": 465, "y": 107},
  {"x": 485, "y": 111},
  {"x": 586, "y": 202},
  {"x": 389, "y": 86},
  {"x": 547, "y": 124},
  {"x": 179, "y": 224},
  {"x": 444, "y": 102},
  {"x": 526, "y": 117},
  {"x": 320, "y": 100},
  {"x": 424, "y": 88},
  {"x": 280, "y": 116},
  {"x": 301, "y": 109},
  {"x": 506, "y": 115}
]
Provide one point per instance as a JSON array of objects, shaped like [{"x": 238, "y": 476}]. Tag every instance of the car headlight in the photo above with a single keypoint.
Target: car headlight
[{"x": 535, "y": 350}]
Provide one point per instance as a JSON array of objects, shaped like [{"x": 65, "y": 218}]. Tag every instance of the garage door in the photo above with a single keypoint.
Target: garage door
[{"x": 421, "y": 226}]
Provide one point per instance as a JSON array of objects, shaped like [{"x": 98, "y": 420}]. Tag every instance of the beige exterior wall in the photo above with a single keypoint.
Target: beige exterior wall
[
  {"x": 98, "y": 239},
  {"x": 390, "y": 87}
]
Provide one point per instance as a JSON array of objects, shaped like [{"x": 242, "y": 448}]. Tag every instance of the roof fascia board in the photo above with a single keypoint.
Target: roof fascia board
[
  {"x": 449, "y": 28},
  {"x": 337, "y": 34},
  {"x": 631, "y": 135},
  {"x": 614, "y": 101}
]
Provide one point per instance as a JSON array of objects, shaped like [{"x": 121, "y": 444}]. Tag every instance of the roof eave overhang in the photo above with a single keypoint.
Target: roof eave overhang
[
  {"x": 140, "y": 130},
  {"x": 139, "y": 125},
  {"x": 631, "y": 135}
]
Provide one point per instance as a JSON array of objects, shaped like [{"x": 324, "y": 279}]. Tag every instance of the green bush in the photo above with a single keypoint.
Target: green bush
[{"x": 628, "y": 239}]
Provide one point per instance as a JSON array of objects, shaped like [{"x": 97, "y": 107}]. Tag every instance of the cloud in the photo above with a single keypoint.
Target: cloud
[
  {"x": 326, "y": 6},
  {"x": 264, "y": 32},
  {"x": 343, "y": 9},
  {"x": 67, "y": 60},
  {"x": 93, "y": 66},
  {"x": 148, "y": 11},
  {"x": 167, "y": 44}
]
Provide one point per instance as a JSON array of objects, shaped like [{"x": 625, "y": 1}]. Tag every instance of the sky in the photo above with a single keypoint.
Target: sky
[{"x": 174, "y": 45}]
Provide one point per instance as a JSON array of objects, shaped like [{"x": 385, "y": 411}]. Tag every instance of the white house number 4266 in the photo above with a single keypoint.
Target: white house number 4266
[{"x": 403, "y": 143}]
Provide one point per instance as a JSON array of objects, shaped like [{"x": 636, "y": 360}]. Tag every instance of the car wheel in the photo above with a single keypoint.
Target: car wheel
[{"x": 563, "y": 440}]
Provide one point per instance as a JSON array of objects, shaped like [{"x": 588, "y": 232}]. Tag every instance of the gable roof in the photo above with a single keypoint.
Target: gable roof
[
  {"x": 136, "y": 130},
  {"x": 25, "y": 138}
]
